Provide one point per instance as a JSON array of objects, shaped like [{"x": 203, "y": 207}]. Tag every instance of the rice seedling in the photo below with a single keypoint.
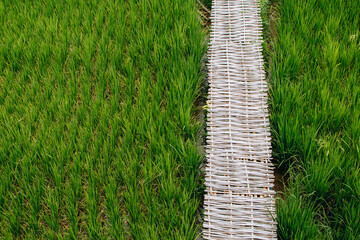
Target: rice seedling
[
  {"x": 313, "y": 64},
  {"x": 98, "y": 132}
]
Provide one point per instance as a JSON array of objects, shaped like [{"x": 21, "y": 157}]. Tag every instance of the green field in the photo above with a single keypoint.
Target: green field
[
  {"x": 313, "y": 56},
  {"x": 100, "y": 123},
  {"x": 98, "y": 126}
]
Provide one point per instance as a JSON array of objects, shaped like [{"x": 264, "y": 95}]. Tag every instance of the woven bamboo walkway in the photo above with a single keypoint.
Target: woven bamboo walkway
[{"x": 239, "y": 200}]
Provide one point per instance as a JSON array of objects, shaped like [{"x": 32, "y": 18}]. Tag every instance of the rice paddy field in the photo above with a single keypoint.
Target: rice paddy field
[
  {"x": 98, "y": 134},
  {"x": 313, "y": 64},
  {"x": 100, "y": 120}
]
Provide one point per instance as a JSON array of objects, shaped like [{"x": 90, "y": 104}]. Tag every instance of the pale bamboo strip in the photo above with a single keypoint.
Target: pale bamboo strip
[{"x": 239, "y": 200}]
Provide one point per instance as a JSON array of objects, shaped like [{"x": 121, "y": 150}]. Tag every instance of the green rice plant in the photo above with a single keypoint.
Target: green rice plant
[
  {"x": 98, "y": 125},
  {"x": 312, "y": 51},
  {"x": 294, "y": 215}
]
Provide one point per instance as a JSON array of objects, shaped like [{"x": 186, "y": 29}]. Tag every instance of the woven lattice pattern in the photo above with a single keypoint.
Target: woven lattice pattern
[{"x": 239, "y": 200}]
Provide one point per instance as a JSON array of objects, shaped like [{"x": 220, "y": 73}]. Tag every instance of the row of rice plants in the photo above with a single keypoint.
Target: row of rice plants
[
  {"x": 98, "y": 136},
  {"x": 313, "y": 56}
]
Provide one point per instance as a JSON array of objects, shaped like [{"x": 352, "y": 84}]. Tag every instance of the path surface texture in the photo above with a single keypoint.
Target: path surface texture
[{"x": 239, "y": 200}]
